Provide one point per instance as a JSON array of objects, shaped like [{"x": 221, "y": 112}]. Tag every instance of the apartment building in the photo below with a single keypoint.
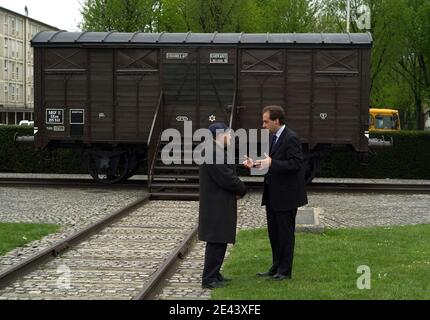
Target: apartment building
[{"x": 16, "y": 65}]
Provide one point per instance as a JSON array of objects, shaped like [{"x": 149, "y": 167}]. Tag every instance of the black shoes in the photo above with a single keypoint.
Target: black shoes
[
  {"x": 220, "y": 282},
  {"x": 221, "y": 278},
  {"x": 280, "y": 277},
  {"x": 273, "y": 275},
  {"x": 213, "y": 285},
  {"x": 266, "y": 274}
]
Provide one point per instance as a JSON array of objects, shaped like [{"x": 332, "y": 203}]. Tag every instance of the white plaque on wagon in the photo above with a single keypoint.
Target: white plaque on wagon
[
  {"x": 176, "y": 55},
  {"x": 219, "y": 58}
]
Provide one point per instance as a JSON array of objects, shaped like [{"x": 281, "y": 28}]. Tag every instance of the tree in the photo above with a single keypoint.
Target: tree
[
  {"x": 400, "y": 55},
  {"x": 209, "y": 16},
  {"x": 414, "y": 64},
  {"x": 119, "y": 15},
  {"x": 289, "y": 15},
  {"x": 177, "y": 15}
]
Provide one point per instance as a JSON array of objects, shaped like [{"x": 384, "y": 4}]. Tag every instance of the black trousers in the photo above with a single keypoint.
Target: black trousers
[
  {"x": 282, "y": 226},
  {"x": 214, "y": 258}
]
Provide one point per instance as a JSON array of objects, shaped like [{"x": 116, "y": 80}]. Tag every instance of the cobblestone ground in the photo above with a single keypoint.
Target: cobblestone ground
[
  {"x": 92, "y": 261},
  {"x": 339, "y": 211},
  {"x": 185, "y": 283},
  {"x": 72, "y": 209},
  {"x": 115, "y": 263},
  {"x": 371, "y": 210}
]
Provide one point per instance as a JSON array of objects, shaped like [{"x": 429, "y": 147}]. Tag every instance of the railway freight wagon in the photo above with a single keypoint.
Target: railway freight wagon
[{"x": 112, "y": 94}]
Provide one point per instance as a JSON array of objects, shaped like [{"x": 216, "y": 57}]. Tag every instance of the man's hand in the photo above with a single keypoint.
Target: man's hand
[
  {"x": 249, "y": 163},
  {"x": 265, "y": 163}
]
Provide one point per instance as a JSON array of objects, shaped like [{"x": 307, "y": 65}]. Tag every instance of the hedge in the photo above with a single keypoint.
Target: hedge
[
  {"x": 409, "y": 158},
  {"x": 24, "y": 158}
]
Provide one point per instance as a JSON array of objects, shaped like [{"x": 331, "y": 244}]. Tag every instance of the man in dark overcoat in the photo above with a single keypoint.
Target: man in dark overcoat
[{"x": 220, "y": 188}]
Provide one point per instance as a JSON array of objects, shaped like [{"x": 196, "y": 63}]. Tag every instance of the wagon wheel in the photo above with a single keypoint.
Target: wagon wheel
[
  {"x": 133, "y": 167},
  {"x": 131, "y": 173},
  {"x": 115, "y": 172},
  {"x": 312, "y": 168}
]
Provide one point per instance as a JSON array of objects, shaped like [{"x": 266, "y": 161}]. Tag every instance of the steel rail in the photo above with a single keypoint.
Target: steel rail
[
  {"x": 313, "y": 187},
  {"x": 156, "y": 280},
  {"x": 69, "y": 183},
  {"x": 54, "y": 250},
  {"x": 357, "y": 187}
]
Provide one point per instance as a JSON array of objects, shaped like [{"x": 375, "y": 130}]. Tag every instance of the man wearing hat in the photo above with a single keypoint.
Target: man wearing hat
[{"x": 220, "y": 188}]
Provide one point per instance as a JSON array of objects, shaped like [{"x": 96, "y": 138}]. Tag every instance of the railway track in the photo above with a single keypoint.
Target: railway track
[
  {"x": 67, "y": 183},
  {"x": 253, "y": 184},
  {"x": 125, "y": 255},
  {"x": 369, "y": 187}
]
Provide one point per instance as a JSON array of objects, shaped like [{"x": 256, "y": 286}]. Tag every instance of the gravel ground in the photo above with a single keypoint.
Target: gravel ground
[
  {"x": 114, "y": 263},
  {"x": 370, "y": 210},
  {"x": 72, "y": 209}
]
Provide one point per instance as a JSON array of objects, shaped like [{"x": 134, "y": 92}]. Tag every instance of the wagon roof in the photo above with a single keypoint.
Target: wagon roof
[{"x": 46, "y": 38}]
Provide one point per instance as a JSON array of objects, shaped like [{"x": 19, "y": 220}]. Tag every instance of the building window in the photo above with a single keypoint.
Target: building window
[
  {"x": 13, "y": 26},
  {"x": 19, "y": 50},
  {"x": 18, "y": 28}
]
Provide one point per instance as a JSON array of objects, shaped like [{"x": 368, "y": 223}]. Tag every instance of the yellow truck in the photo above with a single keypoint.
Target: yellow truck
[{"x": 384, "y": 120}]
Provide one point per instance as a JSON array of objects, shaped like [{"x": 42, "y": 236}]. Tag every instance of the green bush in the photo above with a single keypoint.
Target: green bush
[
  {"x": 409, "y": 158},
  {"x": 25, "y": 158}
]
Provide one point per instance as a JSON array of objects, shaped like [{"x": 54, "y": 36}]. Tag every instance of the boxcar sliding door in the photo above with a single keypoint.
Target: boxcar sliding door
[
  {"x": 198, "y": 85},
  {"x": 336, "y": 96},
  {"x": 64, "y": 97},
  {"x": 217, "y": 82},
  {"x": 261, "y": 83},
  {"x": 137, "y": 88}
]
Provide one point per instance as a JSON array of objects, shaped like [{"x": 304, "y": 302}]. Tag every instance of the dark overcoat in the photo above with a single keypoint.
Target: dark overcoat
[{"x": 219, "y": 186}]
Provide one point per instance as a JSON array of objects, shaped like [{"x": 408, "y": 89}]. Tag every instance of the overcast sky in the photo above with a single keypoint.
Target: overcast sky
[{"x": 63, "y": 14}]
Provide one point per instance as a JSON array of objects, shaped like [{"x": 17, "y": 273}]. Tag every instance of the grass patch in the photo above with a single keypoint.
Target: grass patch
[
  {"x": 13, "y": 235},
  {"x": 325, "y": 266}
]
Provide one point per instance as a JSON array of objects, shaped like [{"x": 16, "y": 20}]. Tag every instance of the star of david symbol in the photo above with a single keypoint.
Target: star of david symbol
[{"x": 212, "y": 118}]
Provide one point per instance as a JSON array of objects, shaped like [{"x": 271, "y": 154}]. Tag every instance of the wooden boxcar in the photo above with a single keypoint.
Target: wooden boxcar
[{"x": 111, "y": 94}]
